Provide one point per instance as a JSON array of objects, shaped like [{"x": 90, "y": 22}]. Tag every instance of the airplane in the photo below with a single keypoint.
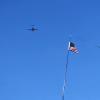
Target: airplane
[{"x": 32, "y": 29}]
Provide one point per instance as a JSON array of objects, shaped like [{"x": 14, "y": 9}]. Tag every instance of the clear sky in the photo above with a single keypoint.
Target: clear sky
[{"x": 32, "y": 64}]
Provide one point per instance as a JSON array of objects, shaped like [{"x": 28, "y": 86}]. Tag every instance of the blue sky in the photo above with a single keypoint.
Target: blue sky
[{"x": 32, "y": 64}]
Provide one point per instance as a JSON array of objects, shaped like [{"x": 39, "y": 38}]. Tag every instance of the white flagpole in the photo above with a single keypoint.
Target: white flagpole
[{"x": 65, "y": 78}]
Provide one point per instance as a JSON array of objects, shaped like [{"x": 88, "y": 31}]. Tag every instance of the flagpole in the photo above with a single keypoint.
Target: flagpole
[{"x": 65, "y": 77}]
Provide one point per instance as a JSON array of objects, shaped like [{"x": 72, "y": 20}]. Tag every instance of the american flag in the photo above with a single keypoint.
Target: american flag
[{"x": 72, "y": 47}]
